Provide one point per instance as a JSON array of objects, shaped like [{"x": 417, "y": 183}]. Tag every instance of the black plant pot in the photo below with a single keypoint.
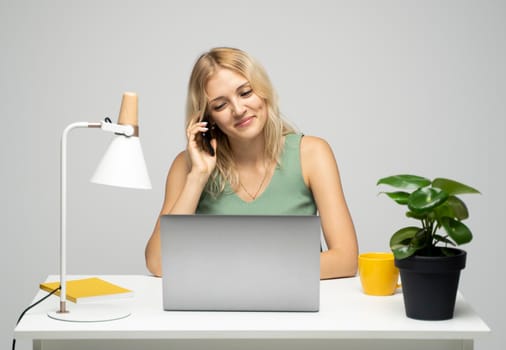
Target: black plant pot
[{"x": 430, "y": 284}]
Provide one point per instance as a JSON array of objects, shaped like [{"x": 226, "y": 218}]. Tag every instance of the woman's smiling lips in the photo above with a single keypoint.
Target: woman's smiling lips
[{"x": 244, "y": 122}]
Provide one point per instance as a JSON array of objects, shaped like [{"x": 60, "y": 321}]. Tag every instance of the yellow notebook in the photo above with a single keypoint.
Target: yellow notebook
[{"x": 89, "y": 290}]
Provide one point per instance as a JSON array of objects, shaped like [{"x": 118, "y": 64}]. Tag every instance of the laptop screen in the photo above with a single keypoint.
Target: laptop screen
[{"x": 240, "y": 263}]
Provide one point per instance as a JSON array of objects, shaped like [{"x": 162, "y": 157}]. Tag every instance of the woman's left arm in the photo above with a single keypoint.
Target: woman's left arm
[{"x": 321, "y": 174}]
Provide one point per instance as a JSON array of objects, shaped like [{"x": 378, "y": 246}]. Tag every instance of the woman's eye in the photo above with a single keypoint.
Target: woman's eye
[
  {"x": 219, "y": 107},
  {"x": 246, "y": 93}
]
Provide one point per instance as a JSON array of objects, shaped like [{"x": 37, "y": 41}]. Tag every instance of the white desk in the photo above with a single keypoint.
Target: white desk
[{"x": 347, "y": 319}]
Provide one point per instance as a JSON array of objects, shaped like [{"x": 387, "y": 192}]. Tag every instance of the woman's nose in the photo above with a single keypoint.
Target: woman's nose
[{"x": 238, "y": 109}]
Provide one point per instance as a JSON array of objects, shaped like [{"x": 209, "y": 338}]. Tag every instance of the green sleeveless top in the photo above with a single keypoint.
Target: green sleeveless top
[{"x": 286, "y": 194}]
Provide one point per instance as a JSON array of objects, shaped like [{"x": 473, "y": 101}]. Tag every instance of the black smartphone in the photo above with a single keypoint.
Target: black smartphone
[{"x": 206, "y": 139}]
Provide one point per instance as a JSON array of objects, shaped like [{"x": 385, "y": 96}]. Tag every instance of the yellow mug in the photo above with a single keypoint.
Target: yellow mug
[{"x": 378, "y": 274}]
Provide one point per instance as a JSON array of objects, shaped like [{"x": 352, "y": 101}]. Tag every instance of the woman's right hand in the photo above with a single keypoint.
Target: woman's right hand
[{"x": 202, "y": 162}]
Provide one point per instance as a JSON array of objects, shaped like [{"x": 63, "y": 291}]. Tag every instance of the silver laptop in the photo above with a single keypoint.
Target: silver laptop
[{"x": 240, "y": 263}]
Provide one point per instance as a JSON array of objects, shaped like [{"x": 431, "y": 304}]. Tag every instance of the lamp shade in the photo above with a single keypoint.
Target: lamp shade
[{"x": 123, "y": 165}]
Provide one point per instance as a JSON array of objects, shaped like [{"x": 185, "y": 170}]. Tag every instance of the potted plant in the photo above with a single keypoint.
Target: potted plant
[{"x": 425, "y": 254}]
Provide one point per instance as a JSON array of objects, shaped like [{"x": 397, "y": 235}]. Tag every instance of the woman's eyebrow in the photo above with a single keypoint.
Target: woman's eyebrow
[
  {"x": 242, "y": 85},
  {"x": 238, "y": 88}
]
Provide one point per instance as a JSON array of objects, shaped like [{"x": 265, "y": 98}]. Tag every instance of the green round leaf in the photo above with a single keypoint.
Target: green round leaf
[
  {"x": 457, "y": 231},
  {"x": 409, "y": 240},
  {"x": 418, "y": 216},
  {"x": 403, "y": 236},
  {"x": 404, "y": 181},
  {"x": 422, "y": 238},
  {"x": 453, "y": 187},
  {"x": 403, "y": 251},
  {"x": 453, "y": 208},
  {"x": 399, "y": 197},
  {"x": 426, "y": 199}
]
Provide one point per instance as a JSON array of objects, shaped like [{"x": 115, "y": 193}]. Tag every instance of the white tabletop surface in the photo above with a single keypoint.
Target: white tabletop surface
[{"x": 345, "y": 312}]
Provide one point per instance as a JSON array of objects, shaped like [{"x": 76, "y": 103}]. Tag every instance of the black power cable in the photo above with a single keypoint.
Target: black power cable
[{"x": 30, "y": 307}]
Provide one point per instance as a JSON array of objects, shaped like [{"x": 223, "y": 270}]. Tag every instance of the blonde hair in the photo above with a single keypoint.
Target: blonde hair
[{"x": 196, "y": 107}]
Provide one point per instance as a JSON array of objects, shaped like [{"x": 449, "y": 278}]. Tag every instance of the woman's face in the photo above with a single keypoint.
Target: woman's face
[{"x": 234, "y": 107}]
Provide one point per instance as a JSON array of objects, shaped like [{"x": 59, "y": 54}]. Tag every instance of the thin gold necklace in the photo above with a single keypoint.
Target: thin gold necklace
[{"x": 254, "y": 196}]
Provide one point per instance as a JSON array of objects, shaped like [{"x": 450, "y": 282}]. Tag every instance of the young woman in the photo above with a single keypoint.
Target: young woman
[{"x": 255, "y": 162}]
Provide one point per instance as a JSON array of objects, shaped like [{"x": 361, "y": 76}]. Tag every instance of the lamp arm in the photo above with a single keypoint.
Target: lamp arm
[{"x": 63, "y": 207}]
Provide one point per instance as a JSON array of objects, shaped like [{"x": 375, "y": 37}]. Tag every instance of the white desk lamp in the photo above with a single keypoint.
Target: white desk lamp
[{"x": 122, "y": 165}]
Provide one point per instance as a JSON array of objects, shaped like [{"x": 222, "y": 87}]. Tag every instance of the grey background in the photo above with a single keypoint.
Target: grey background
[{"x": 394, "y": 86}]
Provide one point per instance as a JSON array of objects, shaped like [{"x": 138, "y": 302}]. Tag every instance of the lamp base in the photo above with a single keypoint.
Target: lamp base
[{"x": 91, "y": 313}]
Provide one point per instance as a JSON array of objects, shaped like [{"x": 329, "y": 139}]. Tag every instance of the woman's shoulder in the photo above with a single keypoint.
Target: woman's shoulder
[
  {"x": 310, "y": 144},
  {"x": 306, "y": 141},
  {"x": 181, "y": 157},
  {"x": 180, "y": 162},
  {"x": 315, "y": 151},
  {"x": 316, "y": 156}
]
